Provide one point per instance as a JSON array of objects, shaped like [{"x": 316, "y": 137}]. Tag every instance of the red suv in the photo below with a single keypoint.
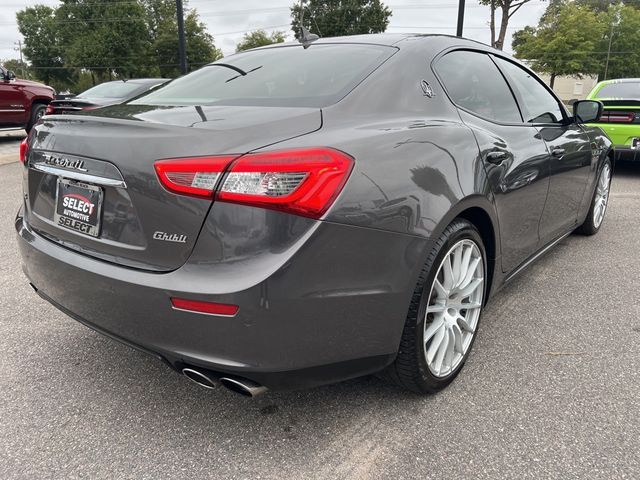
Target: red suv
[{"x": 22, "y": 102}]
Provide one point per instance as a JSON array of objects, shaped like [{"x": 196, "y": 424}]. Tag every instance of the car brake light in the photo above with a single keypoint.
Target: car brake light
[
  {"x": 50, "y": 110},
  {"x": 196, "y": 176},
  {"x": 617, "y": 117},
  {"x": 300, "y": 181},
  {"x": 209, "y": 308},
  {"x": 24, "y": 150}
]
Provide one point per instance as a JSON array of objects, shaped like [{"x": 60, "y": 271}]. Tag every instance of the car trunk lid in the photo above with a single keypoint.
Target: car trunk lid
[{"x": 98, "y": 170}]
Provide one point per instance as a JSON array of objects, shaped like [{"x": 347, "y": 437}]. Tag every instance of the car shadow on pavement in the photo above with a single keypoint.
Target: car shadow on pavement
[{"x": 627, "y": 169}]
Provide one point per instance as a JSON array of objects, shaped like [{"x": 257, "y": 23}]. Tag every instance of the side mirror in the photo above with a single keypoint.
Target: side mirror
[
  {"x": 10, "y": 75},
  {"x": 587, "y": 111}
]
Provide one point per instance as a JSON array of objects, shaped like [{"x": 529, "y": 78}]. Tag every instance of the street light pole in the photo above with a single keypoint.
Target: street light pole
[
  {"x": 460, "y": 17},
  {"x": 181, "y": 41}
]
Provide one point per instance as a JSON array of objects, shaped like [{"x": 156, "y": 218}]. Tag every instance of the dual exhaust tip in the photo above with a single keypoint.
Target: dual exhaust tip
[{"x": 237, "y": 385}]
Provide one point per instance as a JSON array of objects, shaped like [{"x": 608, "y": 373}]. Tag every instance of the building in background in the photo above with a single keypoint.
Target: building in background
[{"x": 568, "y": 88}]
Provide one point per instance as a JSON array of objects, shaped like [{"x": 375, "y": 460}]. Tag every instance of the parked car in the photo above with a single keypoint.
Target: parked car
[
  {"x": 621, "y": 117},
  {"x": 22, "y": 102},
  {"x": 214, "y": 221},
  {"x": 107, "y": 93}
]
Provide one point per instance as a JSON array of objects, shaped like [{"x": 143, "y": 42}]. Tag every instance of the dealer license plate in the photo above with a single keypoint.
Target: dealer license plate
[{"x": 78, "y": 207}]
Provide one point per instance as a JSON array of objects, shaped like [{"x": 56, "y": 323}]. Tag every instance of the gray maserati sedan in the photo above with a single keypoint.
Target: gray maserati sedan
[{"x": 303, "y": 214}]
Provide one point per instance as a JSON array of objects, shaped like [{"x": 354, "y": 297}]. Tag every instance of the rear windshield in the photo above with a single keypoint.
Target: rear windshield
[
  {"x": 625, "y": 91},
  {"x": 110, "y": 90},
  {"x": 285, "y": 76}
]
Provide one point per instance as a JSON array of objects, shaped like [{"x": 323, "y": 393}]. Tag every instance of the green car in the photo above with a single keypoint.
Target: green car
[{"x": 621, "y": 116}]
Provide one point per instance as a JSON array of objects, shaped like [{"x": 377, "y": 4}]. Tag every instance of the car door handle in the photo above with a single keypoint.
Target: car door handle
[
  {"x": 496, "y": 157},
  {"x": 558, "y": 152}
]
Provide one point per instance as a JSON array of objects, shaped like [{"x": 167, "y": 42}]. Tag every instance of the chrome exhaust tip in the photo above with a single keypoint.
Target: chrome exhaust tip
[
  {"x": 243, "y": 386},
  {"x": 199, "y": 378}
]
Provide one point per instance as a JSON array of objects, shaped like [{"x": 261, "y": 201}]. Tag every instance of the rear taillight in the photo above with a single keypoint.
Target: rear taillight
[
  {"x": 50, "y": 110},
  {"x": 617, "y": 117},
  {"x": 195, "y": 176},
  {"x": 304, "y": 181},
  {"x": 300, "y": 181},
  {"x": 24, "y": 150}
]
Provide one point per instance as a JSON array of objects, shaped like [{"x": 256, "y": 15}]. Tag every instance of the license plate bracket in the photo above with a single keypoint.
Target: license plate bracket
[{"x": 78, "y": 207}]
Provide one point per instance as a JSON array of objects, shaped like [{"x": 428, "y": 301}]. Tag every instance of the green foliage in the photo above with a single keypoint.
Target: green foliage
[
  {"x": 625, "y": 43},
  {"x": 42, "y": 44},
  {"x": 110, "y": 39},
  {"x": 163, "y": 31},
  {"x": 564, "y": 41},
  {"x": 259, "y": 38},
  {"x": 21, "y": 69},
  {"x": 334, "y": 18},
  {"x": 572, "y": 38}
]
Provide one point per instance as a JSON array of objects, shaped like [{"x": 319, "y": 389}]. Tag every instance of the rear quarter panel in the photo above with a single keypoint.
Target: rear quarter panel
[{"x": 417, "y": 165}]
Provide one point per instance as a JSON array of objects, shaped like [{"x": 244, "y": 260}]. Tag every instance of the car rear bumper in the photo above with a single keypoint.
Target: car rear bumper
[
  {"x": 333, "y": 309},
  {"x": 627, "y": 154}
]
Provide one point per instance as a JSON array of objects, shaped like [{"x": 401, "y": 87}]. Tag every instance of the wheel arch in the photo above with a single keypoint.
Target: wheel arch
[{"x": 480, "y": 212}]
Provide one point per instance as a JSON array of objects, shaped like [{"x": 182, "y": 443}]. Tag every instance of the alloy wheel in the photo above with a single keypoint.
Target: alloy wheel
[
  {"x": 454, "y": 307},
  {"x": 602, "y": 195}
]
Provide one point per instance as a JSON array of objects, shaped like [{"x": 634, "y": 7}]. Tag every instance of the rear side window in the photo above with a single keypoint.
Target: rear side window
[
  {"x": 623, "y": 91},
  {"x": 474, "y": 83},
  {"x": 285, "y": 76},
  {"x": 110, "y": 90},
  {"x": 538, "y": 105}
]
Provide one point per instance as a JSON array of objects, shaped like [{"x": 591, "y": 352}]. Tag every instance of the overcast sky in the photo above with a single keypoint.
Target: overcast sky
[{"x": 227, "y": 20}]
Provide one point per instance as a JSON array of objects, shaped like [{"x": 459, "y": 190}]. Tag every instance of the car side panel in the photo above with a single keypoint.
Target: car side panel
[
  {"x": 569, "y": 174},
  {"x": 12, "y": 105}
]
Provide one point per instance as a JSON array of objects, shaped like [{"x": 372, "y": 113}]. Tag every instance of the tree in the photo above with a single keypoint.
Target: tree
[
  {"x": 100, "y": 40},
  {"x": 259, "y": 38},
  {"x": 43, "y": 46},
  {"x": 163, "y": 30},
  {"x": 107, "y": 38},
  {"x": 508, "y": 9},
  {"x": 624, "y": 22},
  {"x": 565, "y": 41},
  {"x": 21, "y": 69},
  {"x": 334, "y": 18}
]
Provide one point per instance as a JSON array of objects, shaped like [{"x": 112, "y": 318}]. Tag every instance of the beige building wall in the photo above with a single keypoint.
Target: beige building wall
[{"x": 568, "y": 88}]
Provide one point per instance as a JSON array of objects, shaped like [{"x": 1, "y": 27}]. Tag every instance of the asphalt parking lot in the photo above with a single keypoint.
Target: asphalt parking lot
[{"x": 551, "y": 390}]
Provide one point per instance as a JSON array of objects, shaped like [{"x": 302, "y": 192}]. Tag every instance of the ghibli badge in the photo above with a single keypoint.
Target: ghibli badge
[{"x": 169, "y": 237}]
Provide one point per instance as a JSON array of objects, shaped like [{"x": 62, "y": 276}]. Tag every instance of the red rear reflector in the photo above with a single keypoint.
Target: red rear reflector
[
  {"x": 50, "y": 109},
  {"x": 196, "y": 176},
  {"x": 300, "y": 181},
  {"x": 204, "y": 307},
  {"x": 24, "y": 150}
]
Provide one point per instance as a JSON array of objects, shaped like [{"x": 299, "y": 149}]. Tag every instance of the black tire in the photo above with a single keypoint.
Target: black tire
[
  {"x": 410, "y": 369},
  {"x": 37, "y": 111},
  {"x": 589, "y": 227}
]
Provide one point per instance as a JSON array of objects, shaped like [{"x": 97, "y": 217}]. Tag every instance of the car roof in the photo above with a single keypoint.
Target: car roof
[
  {"x": 620, "y": 80},
  {"x": 426, "y": 40}
]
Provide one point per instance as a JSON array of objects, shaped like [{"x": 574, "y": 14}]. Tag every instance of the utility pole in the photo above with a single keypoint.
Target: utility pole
[
  {"x": 606, "y": 65},
  {"x": 460, "y": 17},
  {"x": 182, "y": 53},
  {"x": 614, "y": 21},
  {"x": 19, "y": 49}
]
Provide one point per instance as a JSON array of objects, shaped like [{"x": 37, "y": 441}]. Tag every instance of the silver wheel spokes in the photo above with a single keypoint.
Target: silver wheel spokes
[
  {"x": 602, "y": 195},
  {"x": 454, "y": 308}
]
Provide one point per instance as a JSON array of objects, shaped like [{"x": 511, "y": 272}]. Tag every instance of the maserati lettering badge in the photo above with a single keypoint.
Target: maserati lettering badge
[
  {"x": 56, "y": 161},
  {"x": 170, "y": 237}
]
